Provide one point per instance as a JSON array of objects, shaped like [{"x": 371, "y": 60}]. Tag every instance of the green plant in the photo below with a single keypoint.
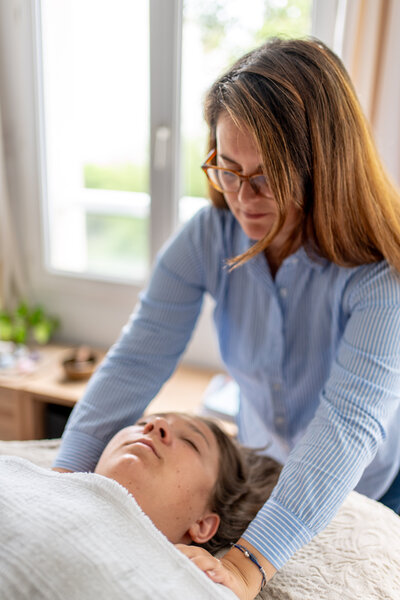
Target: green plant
[{"x": 25, "y": 324}]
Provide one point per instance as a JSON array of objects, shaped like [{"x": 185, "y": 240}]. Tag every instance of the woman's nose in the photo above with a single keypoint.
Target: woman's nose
[
  {"x": 246, "y": 192},
  {"x": 161, "y": 427}
]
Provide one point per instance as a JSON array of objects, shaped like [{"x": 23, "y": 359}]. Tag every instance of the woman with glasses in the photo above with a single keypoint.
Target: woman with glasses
[{"x": 301, "y": 252}]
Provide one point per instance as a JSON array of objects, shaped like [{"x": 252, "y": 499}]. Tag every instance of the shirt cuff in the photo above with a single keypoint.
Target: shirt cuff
[
  {"x": 78, "y": 451},
  {"x": 277, "y": 533}
]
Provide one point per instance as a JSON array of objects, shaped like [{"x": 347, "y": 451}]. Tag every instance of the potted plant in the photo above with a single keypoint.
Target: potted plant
[{"x": 25, "y": 325}]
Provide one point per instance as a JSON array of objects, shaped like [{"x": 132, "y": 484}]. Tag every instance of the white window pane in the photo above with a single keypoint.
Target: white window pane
[
  {"x": 96, "y": 115},
  {"x": 215, "y": 34}
]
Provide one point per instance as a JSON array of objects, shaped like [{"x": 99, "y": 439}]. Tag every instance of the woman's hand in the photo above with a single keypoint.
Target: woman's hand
[
  {"x": 60, "y": 470},
  {"x": 224, "y": 571}
]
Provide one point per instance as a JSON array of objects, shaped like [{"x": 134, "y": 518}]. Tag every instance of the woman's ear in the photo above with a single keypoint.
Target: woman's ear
[{"x": 205, "y": 528}]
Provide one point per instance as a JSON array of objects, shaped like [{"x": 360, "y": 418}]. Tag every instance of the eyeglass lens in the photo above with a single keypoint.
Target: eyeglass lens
[{"x": 230, "y": 182}]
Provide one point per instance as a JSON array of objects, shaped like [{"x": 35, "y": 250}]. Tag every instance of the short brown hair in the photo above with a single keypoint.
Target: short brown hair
[
  {"x": 296, "y": 98},
  {"x": 244, "y": 482}
]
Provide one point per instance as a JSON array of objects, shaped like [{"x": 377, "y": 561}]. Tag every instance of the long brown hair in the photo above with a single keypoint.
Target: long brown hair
[
  {"x": 296, "y": 98},
  {"x": 245, "y": 481}
]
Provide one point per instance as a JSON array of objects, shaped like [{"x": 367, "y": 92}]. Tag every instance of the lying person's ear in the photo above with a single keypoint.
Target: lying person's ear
[{"x": 204, "y": 529}]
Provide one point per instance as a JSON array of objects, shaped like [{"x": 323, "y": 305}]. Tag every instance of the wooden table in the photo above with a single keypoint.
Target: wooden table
[{"x": 23, "y": 398}]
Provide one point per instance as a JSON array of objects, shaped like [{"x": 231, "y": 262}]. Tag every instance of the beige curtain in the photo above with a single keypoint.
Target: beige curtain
[
  {"x": 371, "y": 53},
  {"x": 12, "y": 281}
]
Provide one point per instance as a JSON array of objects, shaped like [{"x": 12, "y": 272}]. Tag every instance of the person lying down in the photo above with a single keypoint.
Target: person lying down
[
  {"x": 192, "y": 479},
  {"x": 102, "y": 534}
]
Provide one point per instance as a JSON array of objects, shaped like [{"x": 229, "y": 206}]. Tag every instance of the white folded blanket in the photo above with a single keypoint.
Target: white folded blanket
[{"x": 82, "y": 536}]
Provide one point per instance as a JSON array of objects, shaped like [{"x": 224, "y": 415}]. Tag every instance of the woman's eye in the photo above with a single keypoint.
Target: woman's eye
[
  {"x": 191, "y": 444},
  {"x": 227, "y": 175}
]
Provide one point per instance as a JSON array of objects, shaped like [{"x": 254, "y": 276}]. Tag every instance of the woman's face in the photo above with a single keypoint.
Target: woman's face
[
  {"x": 256, "y": 214},
  {"x": 170, "y": 465}
]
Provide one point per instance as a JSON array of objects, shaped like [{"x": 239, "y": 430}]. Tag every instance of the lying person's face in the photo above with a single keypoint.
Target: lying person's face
[{"x": 170, "y": 464}]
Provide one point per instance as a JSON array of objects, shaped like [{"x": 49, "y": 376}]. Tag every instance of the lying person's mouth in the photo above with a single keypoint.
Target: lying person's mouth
[{"x": 149, "y": 444}]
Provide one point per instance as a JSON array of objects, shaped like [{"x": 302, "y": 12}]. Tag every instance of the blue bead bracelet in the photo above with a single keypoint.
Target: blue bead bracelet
[{"x": 253, "y": 559}]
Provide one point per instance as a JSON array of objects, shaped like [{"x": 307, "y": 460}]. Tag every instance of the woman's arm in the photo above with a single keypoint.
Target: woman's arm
[{"x": 358, "y": 401}]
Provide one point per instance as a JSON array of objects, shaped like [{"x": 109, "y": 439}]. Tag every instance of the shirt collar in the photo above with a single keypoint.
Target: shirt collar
[{"x": 312, "y": 260}]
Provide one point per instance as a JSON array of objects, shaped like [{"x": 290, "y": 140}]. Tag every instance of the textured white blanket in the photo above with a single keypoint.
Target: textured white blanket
[
  {"x": 82, "y": 536},
  {"x": 357, "y": 557}
]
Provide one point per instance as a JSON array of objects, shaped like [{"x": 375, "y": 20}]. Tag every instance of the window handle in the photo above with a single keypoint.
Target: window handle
[{"x": 163, "y": 135}]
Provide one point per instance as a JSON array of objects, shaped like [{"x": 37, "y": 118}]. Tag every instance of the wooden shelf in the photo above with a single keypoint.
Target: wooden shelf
[{"x": 23, "y": 397}]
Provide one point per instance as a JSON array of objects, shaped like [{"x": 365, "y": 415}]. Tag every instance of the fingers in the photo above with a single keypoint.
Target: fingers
[
  {"x": 203, "y": 559},
  {"x": 210, "y": 565}
]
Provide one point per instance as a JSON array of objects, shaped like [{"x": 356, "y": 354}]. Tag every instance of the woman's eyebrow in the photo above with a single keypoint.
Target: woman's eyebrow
[
  {"x": 197, "y": 430},
  {"x": 228, "y": 159},
  {"x": 224, "y": 157}
]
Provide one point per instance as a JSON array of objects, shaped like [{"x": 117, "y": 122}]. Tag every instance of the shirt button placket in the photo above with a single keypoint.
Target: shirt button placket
[
  {"x": 278, "y": 409},
  {"x": 279, "y": 419}
]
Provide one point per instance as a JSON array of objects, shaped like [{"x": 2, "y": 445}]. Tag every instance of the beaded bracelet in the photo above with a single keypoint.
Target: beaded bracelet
[{"x": 253, "y": 559}]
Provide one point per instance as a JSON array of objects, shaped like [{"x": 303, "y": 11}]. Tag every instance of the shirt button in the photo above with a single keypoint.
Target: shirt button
[
  {"x": 277, "y": 387},
  {"x": 295, "y": 261},
  {"x": 283, "y": 292},
  {"x": 279, "y": 421}
]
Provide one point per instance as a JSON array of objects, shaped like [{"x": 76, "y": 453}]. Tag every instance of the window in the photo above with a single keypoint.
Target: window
[
  {"x": 95, "y": 84},
  {"x": 104, "y": 145}
]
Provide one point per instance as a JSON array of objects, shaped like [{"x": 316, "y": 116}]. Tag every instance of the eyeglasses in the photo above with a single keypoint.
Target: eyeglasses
[{"x": 228, "y": 180}]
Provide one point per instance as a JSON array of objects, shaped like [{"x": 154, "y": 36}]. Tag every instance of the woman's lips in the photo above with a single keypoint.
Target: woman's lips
[{"x": 254, "y": 215}]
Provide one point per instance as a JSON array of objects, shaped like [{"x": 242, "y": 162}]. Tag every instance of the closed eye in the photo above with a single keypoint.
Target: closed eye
[{"x": 191, "y": 443}]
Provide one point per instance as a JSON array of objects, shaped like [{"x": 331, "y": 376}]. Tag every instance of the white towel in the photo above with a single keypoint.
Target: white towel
[
  {"x": 357, "y": 557},
  {"x": 82, "y": 536}
]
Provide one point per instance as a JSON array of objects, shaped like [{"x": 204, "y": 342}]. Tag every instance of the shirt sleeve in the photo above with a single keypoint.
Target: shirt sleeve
[
  {"x": 356, "y": 404},
  {"x": 148, "y": 349}
]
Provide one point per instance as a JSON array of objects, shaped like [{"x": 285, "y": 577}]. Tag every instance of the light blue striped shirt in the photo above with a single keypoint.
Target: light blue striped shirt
[{"x": 316, "y": 353}]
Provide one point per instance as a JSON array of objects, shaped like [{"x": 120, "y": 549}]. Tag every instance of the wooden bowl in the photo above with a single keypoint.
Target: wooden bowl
[{"x": 80, "y": 370}]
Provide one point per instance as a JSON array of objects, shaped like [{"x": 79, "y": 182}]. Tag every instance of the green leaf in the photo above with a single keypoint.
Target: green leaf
[
  {"x": 42, "y": 332},
  {"x": 6, "y": 330},
  {"x": 22, "y": 311},
  {"x": 37, "y": 315},
  {"x": 19, "y": 333}
]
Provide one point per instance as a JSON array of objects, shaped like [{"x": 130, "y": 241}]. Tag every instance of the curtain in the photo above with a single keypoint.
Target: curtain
[
  {"x": 12, "y": 280},
  {"x": 369, "y": 45}
]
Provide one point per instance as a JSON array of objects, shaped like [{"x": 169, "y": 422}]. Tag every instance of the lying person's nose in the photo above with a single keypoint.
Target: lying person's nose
[{"x": 161, "y": 428}]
